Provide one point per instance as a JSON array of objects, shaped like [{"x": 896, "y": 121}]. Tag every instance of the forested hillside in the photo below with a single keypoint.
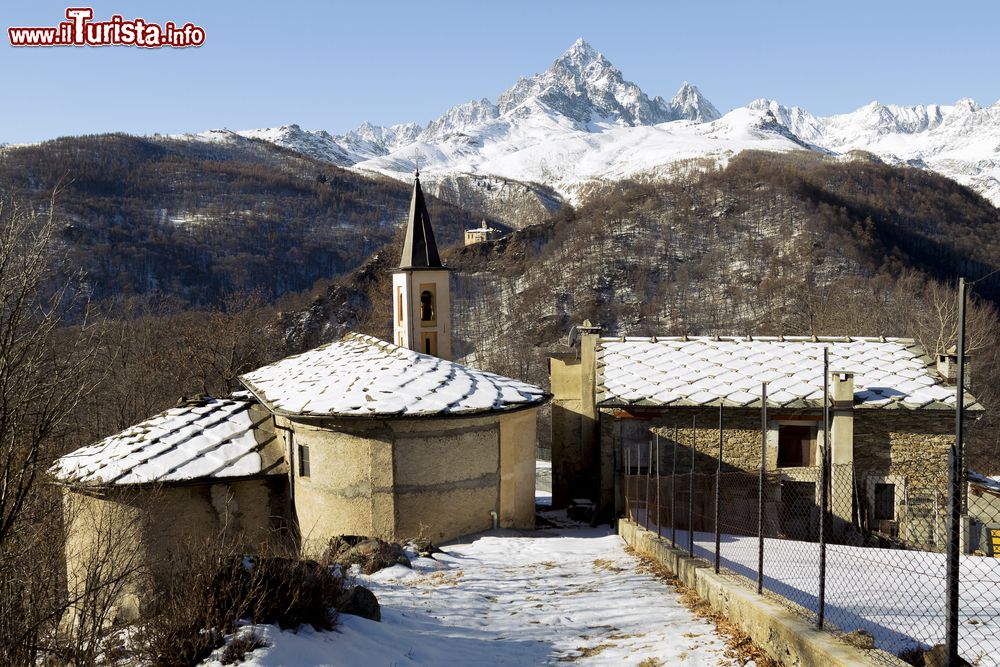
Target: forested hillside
[
  {"x": 199, "y": 220},
  {"x": 772, "y": 244}
]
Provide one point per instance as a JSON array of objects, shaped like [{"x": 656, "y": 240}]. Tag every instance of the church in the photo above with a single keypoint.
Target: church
[{"x": 356, "y": 437}]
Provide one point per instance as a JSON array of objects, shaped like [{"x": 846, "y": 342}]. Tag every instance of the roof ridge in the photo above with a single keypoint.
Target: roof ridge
[{"x": 724, "y": 338}]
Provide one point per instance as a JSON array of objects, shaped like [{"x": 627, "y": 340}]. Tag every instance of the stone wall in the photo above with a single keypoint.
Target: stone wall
[
  {"x": 349, "y": 486},
  {"x": 141, "y": 527},
  {"x": 517, "y": 469},
  {"x": 447, "y": 476},
  {"x": 407, "y": 478},
  {"x": 691, "y": 429},
  {"x": 912, "y": 444}
]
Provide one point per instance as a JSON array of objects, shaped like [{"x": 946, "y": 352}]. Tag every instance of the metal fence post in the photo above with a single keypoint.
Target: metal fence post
[
  {"x": 657, "y": 484},
  {"x": 694, "y": 448},
  {"x": 760, "y": 491},
  {"x": 628, "y": 483},
  {"x": 824, "y": 479},
  {"x": 953, "y": 559},
  {"x": 718, "y": 481},
  {"x": 673, "y": 493},
  {"x": 649, "y": 470},
  {"x": 955, "y": 476}
]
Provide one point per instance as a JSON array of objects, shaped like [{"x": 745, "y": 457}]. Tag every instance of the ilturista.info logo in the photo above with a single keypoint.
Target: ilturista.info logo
[{"x": 80, "y": 29}]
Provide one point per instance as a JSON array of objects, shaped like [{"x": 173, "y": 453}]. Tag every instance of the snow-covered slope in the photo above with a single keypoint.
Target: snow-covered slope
[
  {"x": 541, "y": 145},
  {"x": 961, "y": 141},
  {"x": 581, "y": 120}
]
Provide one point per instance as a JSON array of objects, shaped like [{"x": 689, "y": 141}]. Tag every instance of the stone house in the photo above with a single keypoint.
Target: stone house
[
  {"x": 359, "y": 436},
  {"x": 892, "y": 417}
]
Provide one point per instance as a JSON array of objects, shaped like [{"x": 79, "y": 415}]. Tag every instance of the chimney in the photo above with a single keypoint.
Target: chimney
[
  {"x": 577, "y": 464},
  {"x": 842, "y": 428},
  {"x": 589, "y": 335},
  {"x": 842, "y": 443},
  {"x": 947, "y": 366}
]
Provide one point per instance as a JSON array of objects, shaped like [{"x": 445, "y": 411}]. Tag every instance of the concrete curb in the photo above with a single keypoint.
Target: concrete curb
[{"x": 785, "y": 637}]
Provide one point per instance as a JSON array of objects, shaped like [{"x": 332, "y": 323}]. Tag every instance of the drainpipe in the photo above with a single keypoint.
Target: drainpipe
[{"x": 496, "y": 520}]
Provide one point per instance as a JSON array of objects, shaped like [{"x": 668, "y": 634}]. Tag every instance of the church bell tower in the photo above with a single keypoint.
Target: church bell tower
[{"x": 421, "y": 300}]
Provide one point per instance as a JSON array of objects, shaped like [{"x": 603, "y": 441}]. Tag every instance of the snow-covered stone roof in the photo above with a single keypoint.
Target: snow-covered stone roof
[
  {"x": 696, "y": 371},
  {"x": 206, "y": 438},
  {"x": 362, "y": 376}
]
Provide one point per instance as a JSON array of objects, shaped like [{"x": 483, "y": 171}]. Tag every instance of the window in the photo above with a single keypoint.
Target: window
[
  {"x": 303, "y": 461},
  {"x": 399, "y": 304},
  {"x": 796, "y": 446},
  {"x": 426, "y": 306},
  {"x": 885, "y": 502},
  {"x": 430, "y": 343}
]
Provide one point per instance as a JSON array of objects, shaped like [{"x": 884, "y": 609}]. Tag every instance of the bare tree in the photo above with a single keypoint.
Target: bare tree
[
  {"x": 44, "y": 371},
  {"x": 106, "y": 570}
]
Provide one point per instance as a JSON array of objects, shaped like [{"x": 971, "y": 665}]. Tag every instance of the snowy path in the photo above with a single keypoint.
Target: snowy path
[{"x": 513, "y": 598}]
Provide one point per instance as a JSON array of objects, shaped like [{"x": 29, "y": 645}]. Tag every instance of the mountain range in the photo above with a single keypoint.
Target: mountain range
[{"x": 581, "y": 120}]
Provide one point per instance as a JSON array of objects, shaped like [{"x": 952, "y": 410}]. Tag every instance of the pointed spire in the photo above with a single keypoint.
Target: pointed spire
[{"x": 419, "y": 249}]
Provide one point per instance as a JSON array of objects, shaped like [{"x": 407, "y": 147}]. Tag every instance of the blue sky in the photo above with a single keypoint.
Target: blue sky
[{"x": 332, "y": 65}]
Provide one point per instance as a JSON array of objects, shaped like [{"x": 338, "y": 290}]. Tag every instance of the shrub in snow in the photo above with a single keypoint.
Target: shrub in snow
[
  {"x": 206, "y": 593},
  {"x": 238, "y": 647},
  {"x": 289, "y": 592}
]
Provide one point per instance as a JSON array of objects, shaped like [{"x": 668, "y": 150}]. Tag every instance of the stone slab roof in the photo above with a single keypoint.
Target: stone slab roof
[
  {"x": 206, "y": 438},
  {"x": 362, "y": 376},
  {"x": 703, "y": 371}
]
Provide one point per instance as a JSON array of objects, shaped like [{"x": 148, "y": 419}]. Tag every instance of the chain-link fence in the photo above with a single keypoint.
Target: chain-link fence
[{"x": 860, "y": 557}]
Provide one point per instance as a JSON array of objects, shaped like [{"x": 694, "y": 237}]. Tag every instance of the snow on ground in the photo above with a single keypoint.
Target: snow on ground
[
  {"x": 897, "y": 595},
  {"x": 543, "y": 483},
  {"x": 511, "y": 598}
]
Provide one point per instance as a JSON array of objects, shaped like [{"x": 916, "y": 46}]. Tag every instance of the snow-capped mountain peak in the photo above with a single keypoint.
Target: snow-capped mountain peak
[
  {"x": 689, "y": 103},
  {"x": 580, "y": 56},
  {"x": 581, "y": 91},
  {"x": 459, "y": 119},
  {"x": 584, "y": 86}
]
